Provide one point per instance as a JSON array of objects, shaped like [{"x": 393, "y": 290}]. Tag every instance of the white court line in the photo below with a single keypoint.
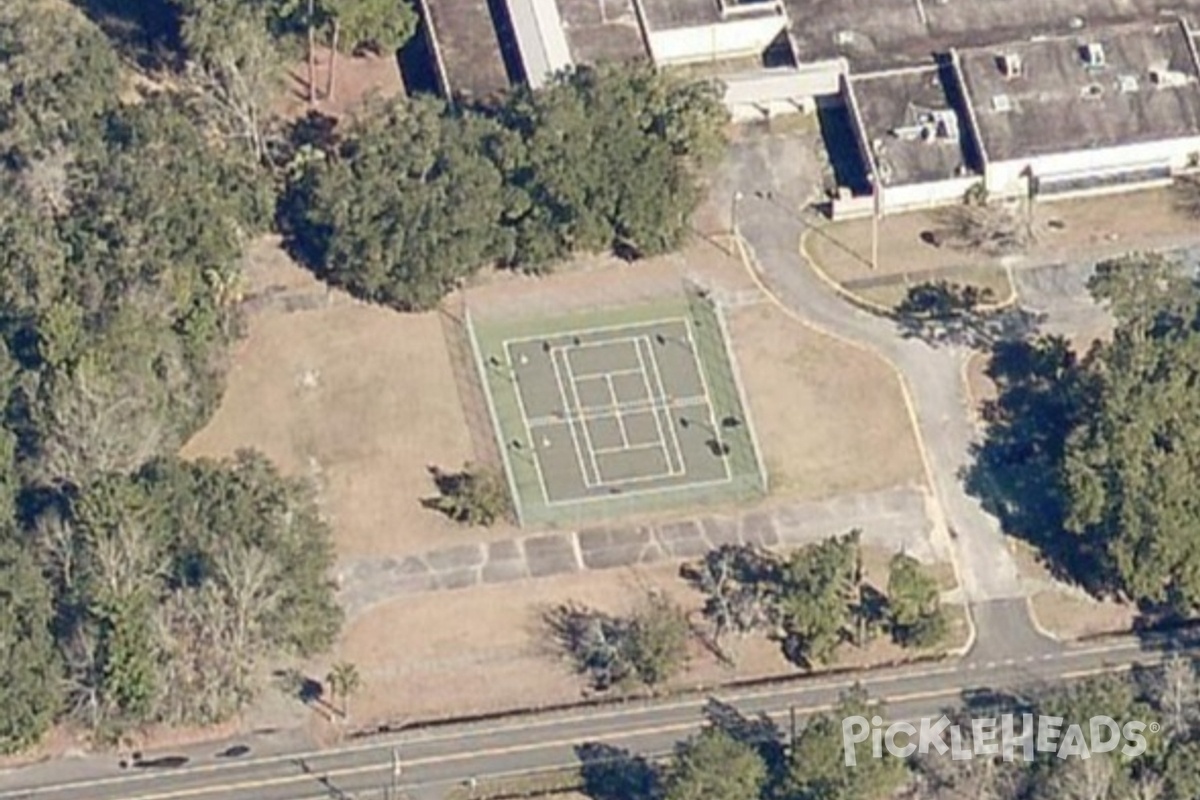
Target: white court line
[
  {"x": 533, "y": 448},
  {"x": 562, "y": 396},
  {"x": 629, "y": 326},
  {"x": 626, "y": 408},
  {"x": 670, "y": 406},
  {"x": 679, "y": 487},
  {"x": 711, "y": 409},
  {"x": 612, "y": 398},
  {"x": 587, "y": 436},
  {"x": 605, "y": 450},
  {"x": 660, "y": 402}
]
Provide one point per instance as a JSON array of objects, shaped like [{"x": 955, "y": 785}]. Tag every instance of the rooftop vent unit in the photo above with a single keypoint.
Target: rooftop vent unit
[
  {"x": 1093, "y": 91},
  {"x": 1093, "y": 54},
  {"x": 1010, "y": 65},
  {"x": 1001, "y": 104},
  {"x": 945, "y": 122},
  {"x": 1167, "y": 78}
]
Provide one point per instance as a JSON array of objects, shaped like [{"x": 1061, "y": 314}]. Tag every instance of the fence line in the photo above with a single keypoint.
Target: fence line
[
  {"x": 498, "y": 431},
  {"x": 741, "y": 391}
]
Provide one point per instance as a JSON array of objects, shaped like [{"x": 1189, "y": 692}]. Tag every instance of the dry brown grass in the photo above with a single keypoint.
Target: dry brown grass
[
  {"x": 1097, "y": 226},
  {"x": 361, "y": 398},
  {"x": 1071, "y": 616},
  {"x": 830, "y": 418},
  {"x": 1069, "y": 613},
  {"x": 364, "y": 398},
  {"x": 485, "y": 650}
]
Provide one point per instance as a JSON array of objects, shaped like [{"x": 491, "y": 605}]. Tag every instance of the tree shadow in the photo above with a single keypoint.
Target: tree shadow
[
  {"x": 148, "y": 32},
  {"x": 306, "y": 141},
  {"x": 1017, "y": 471},
  {"x": 758, "y": 732},
  {"x": 947, "y": 313},
  {"x": 614, "y": 773}
]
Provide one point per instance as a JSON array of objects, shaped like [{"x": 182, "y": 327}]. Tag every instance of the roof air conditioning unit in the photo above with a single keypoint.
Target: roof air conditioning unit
[
  {"x": 1093, "y": 54},
  {"x": 1010, "y": 65}
]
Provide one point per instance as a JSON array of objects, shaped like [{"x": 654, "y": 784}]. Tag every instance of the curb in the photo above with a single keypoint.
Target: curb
[
  {"x": 939, "y": 521},
  {"x": 879, "y": 308}
]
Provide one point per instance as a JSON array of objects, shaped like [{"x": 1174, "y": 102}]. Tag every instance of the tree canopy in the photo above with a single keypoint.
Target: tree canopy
[
  {"x": 416, "y": 197},
  {"x": 1130, "y": 465},
  {"x": 133, "y": 587}
]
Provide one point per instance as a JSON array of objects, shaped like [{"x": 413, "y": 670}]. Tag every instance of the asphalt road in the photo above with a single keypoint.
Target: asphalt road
[{"x": 434, "y": 761}]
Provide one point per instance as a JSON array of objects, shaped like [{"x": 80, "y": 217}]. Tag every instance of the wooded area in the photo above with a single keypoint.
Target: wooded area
[{"x": 141, "y": 151}]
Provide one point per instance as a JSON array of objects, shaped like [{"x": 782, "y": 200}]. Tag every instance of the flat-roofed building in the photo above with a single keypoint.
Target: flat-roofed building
[
  {"x": 466, "y": 45},
  {"x": 912, "y": 139},
  {"x": 1090, "y": 111}
]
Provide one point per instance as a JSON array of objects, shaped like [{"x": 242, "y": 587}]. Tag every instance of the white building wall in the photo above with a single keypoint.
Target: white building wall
[
  {"x": 910, "y": 197},
  {"x": 770, "y": 92},
  {"x": 728, "y": 39},
  {"x": 926, "y": 195},
  {"x": 540, "y": 38},
  {"x": 1007, "y": 178}
]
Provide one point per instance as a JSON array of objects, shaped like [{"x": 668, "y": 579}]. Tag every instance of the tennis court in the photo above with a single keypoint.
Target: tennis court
[{"x": 608, "y": 413}]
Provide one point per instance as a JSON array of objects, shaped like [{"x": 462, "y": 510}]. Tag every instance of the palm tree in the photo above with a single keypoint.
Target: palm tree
[{"x": 344, "y": 680}]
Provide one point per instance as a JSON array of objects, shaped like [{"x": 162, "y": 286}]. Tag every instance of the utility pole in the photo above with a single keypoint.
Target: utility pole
[
  {"x": 397, "y": 770},
  {"x": 312, "y": 59},
  {"x": 733, "y": 220},
  {"x": 876, "y": 213}
]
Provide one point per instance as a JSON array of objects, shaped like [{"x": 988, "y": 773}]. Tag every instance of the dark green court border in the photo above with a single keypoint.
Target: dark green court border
[{"x": 747, "y": 479}]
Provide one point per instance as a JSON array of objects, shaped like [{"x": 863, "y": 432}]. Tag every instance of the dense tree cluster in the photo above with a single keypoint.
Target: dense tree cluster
[
  {"x": 816, "y": 598},
  {"x": 133, "y": 588},
  {"x": 1104, "y": 446},
  {"x": 415, "y": 196}
]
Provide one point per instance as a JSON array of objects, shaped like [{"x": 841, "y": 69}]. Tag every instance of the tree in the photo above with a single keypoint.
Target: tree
[
  {"x": 656, "y": 647},
  {"x": 1129, "y": 465},
  {"x": 474, "y": 496},
  {"x": 818, "y": 591},
  {"x": 648, "y": 646},
  {"x": 344, "y": 680},
  {"x": 235, "y": 68},
  {"x": 818, "y": 771},
  {"x": 31, "y": 669},
  {"x": 1175, "y": 692},
  {"x": 714, "y": 766},
  {"x": 993, "y": 228},
  {"x": 57, "y": 75},
  {"x": 406, "y": 209},
  {"x": 913, "y": 599},
  {"x": 738, "y": 582},
  {"x": 609, "y": 160}
]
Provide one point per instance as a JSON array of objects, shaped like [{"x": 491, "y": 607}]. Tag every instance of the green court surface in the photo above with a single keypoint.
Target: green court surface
[{"x": 620, "y": 411}]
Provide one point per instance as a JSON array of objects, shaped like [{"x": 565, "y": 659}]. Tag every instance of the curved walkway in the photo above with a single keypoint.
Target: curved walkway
[{"x": 933, "y": 378}]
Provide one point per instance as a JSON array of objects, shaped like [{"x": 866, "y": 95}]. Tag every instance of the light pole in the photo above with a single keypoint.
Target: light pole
[{"x": 876, "y": 213}]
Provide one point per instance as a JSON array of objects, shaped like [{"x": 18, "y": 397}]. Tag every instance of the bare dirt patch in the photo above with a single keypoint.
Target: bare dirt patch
[
  {"x": 355, "y": 78},
  {"x": 360, "y": 398},
  {"x": 485, "y": 650},
  {"x": 830, "y": 417}
]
